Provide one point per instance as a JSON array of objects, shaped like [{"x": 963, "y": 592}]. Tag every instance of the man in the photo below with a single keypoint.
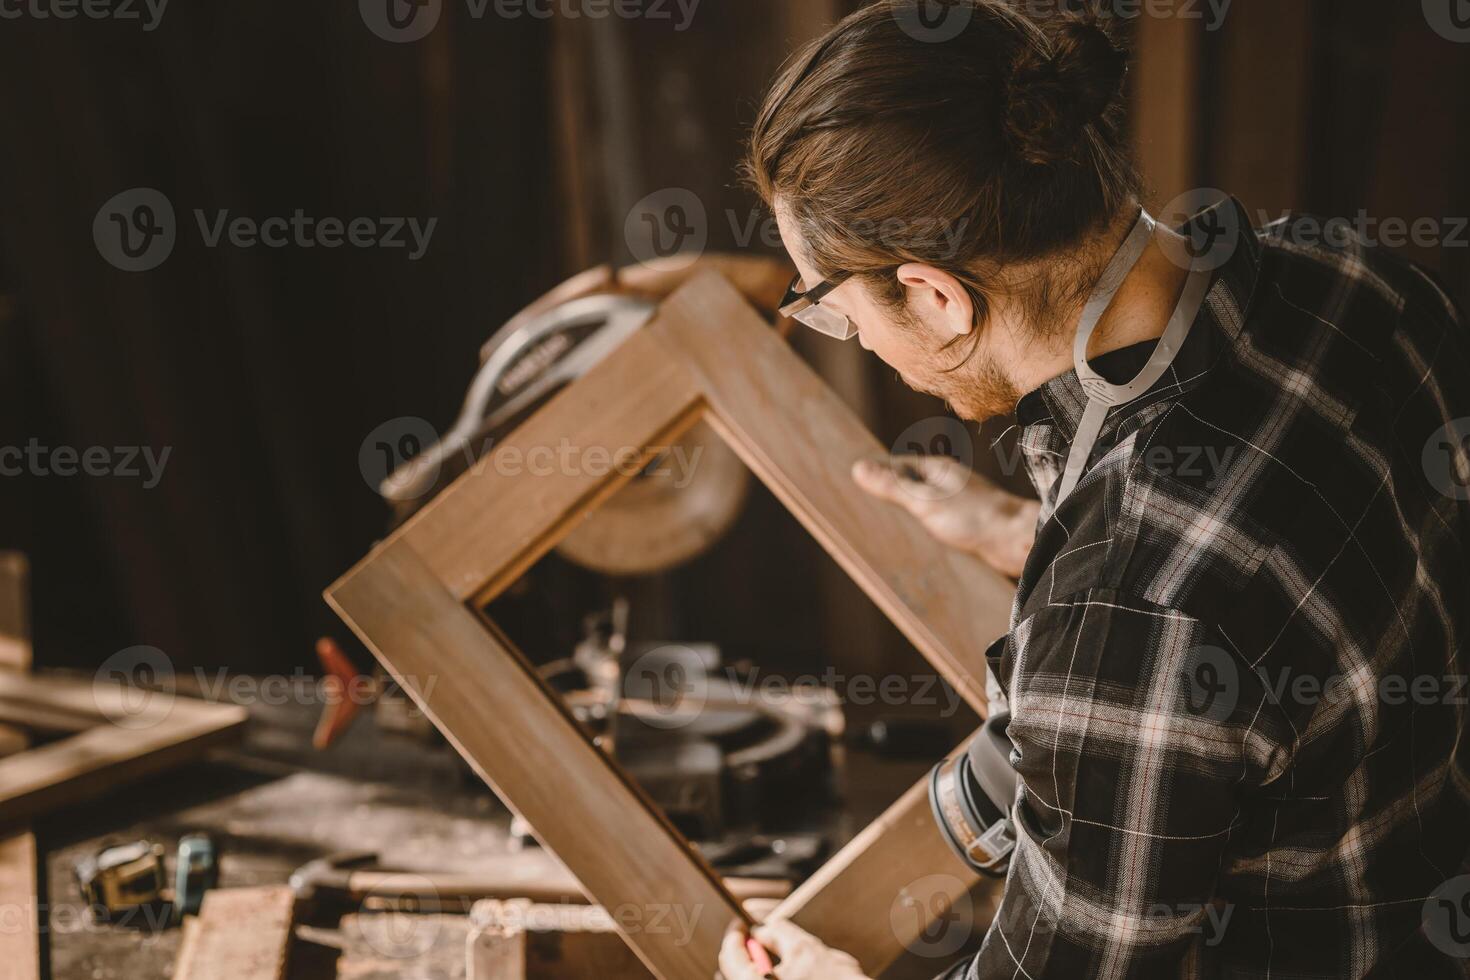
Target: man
[{"x": 1234, "y": 668}]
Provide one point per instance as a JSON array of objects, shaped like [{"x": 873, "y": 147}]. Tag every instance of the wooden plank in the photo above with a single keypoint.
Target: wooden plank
[
  {"x": 188, "y": 939},
  {"x": 20, "y": 933},
  {"x": 532, "y": 874},
  {"x": 42, "y": 718},
  {"x": 20, "y": 939},
  {"x": 706, "y": 348},
  {"x": 877, "y": 895},
  {"x": 801, "y": 440},
  {"x": 497, "y": 519},
  {"x": 239, "y": 934},
  {"x": 15, "y": 611},
  {"x": 13, "y": 740},
  {"x": 519, "y": 940},
  {"x": 163, "y": 733},
  {"x": 68, "y": 697},
  {"x": 501, "y": 716}
]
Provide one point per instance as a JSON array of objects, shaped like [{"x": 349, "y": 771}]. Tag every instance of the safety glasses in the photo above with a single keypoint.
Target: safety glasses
[{"x": 803, "y": 306}]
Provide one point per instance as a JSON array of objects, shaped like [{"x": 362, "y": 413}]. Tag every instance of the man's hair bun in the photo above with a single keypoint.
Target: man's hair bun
[{"x": 1052, "y": 98}]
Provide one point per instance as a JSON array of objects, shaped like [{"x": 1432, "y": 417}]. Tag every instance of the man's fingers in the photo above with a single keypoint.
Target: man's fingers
[
  {"x": 943, "y": 473},
  {"x": 782, "y": 938},
  {"x": 735, "y": 962},
  {"x": 912, "y": 482}
]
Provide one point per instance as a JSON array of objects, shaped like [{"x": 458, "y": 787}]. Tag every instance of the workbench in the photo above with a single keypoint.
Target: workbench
[{"x": 273, "y": 804}]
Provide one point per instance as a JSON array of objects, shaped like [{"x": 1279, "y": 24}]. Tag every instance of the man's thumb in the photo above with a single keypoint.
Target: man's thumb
[{"x": 879, "y": 480}]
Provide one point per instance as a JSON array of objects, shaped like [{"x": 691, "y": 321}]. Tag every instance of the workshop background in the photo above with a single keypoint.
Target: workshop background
[
  {"x": 529, "y": 139},
  {"x": 231, "y": 390}
]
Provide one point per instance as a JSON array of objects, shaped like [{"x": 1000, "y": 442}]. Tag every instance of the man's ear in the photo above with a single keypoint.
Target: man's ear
[{"x": 938, "y": 298}]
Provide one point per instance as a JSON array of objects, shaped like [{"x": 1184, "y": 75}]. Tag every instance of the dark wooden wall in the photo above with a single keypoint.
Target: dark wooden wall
[
  {"x": 529, "y": 140},
  {"x": 1325, "y": 106}
]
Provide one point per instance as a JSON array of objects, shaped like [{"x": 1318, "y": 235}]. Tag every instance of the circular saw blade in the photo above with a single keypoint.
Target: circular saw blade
[{"x": 674, "y": 509}]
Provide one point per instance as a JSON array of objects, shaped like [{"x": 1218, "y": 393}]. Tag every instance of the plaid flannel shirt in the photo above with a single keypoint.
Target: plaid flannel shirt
[{"x": 1234, "y": 667}]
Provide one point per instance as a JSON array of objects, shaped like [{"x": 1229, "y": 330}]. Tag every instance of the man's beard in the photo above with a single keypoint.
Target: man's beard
[{"x": 975, "y": 389}]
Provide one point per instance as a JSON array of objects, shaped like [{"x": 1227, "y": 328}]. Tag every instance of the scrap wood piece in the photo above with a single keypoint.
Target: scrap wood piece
[
  {"x": 544, "y": 880},
  {"x": 239, "y": 934},
  {"x": 15, "y": 614},
  {"x": 20, "y": 940},
  {"x": 12, "y": 740},
  {"x": 20, "y": 932},
  {"x": 132, "y": 734},
  {"x": 522, "y": 940}
]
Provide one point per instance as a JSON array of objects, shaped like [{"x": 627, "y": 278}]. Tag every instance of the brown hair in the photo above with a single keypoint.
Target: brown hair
[{"x": 998, "y": 146}]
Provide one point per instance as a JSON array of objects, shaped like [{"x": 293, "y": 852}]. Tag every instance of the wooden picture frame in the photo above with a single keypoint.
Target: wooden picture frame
[{"x": 416, "y": 601}]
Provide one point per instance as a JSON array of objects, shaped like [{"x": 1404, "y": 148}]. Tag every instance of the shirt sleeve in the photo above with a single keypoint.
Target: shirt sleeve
[{"x": 1139, "y": 732}]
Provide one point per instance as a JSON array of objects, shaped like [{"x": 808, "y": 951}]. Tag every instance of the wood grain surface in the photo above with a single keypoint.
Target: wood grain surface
[{"x": 706, "y": 354}]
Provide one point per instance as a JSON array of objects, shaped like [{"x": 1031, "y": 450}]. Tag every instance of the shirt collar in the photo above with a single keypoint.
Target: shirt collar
[{"x": 1049, "y": 415}]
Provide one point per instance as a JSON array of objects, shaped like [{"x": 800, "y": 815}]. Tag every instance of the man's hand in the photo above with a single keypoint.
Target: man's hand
[
  {"x": 802, "y": 955},
  {"x": 957, "y": 505}
]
